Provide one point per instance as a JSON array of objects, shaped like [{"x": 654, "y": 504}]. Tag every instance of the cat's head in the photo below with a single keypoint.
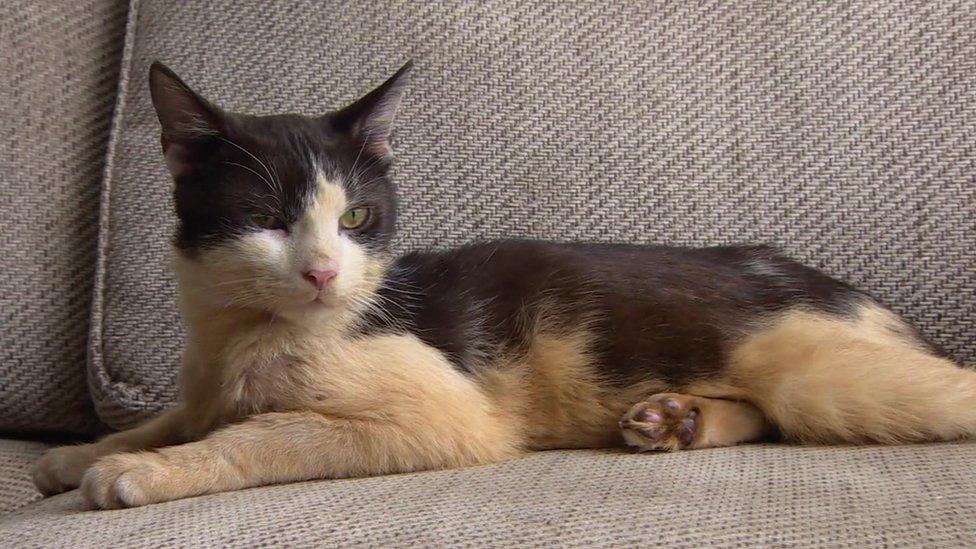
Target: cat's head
[{"x": 289, "y": 214}]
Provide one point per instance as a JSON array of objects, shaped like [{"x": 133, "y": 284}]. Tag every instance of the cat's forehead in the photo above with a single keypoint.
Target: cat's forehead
[
  {"x": 301, "y": 149},
  {"x": 287, "y": 142},
  {"x": 328, "y": 201}
]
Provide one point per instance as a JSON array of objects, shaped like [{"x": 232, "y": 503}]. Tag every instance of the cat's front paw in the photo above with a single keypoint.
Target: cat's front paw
[
  {"x": 128, "y": 480},
  {"x": 61, "y": 469}
]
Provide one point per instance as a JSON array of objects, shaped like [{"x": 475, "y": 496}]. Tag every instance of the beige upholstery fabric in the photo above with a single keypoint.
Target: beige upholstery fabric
[
  {"x": 59, "y": 63},
  {"x": 842, "y": 131},
  {"x": 757, "y": 496},
  {"x": 16, "y": 459}
]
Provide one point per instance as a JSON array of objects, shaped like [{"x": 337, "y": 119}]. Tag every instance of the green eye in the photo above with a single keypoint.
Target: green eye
[
  {"x": 268, "y": 222},
  {"x": 354, "y": 218}
]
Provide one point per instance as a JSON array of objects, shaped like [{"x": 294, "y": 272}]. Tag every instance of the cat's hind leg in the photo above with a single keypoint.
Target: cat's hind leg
[
  {"x": 863, "y": 378},
  {"x": 672, "y": 421}
]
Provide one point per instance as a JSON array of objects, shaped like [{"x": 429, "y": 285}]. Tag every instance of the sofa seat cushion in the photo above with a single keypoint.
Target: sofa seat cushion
[
  {"x": 771, "y": 495},
  {"x": 16, "y": 459}
]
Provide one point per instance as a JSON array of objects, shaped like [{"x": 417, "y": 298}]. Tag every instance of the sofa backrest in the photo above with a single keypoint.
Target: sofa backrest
[
  {"x": 59, "y": 63},
  {"x": 842, "y": 132}
]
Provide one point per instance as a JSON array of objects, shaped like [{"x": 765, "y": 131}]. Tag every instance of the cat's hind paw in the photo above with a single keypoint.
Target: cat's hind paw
[{"x": 666, "y": 421}]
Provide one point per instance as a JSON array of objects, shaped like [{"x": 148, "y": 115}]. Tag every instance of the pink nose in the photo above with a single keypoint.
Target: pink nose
[{"x": 320, "y": 279}]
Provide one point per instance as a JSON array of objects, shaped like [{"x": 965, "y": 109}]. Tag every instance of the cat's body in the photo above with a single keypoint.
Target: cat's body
[
  {"x": 312, "y": 353},
  {"x": 670, "y": 313}
]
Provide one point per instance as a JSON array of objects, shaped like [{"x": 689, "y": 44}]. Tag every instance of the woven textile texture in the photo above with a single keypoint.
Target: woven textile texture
[
  {"x": 59, "y": 64},
  {"x": 16, "y": 487},
  {"x": 844, "y": 132},
  {"x": 756, "y": 496}
]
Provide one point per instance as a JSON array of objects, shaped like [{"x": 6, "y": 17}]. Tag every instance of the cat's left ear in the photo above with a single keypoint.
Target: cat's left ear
[{"x": 370, "y": 119}]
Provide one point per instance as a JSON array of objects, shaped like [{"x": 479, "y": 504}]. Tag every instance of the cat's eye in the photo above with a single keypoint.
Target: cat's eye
[
  {"x": 354, "y": 218},
  {"x": 268, "y": 222}
]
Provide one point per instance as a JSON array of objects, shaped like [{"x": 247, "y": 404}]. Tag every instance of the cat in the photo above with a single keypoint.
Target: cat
[{"x": 313, "y": 352}]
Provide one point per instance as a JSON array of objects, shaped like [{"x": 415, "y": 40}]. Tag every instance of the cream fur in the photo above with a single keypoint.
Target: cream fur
[
  {"x": 556, "y": 397},
  {"x": 824, "y": 380}
]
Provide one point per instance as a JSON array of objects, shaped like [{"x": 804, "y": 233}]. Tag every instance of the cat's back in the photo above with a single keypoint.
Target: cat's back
[
  {"x": 671, "y": 309},
  {"x": 748, "y": 277}
]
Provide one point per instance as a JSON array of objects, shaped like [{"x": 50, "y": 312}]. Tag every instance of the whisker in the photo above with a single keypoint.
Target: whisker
[
  {"x": 239, "y": 281},
  {"x": 392, "y": 302},
  {"x": 249, "y": 153},
  {"x": 362, "y": 171},
  {"x": 275, "y": 178},
  {"x": 352, "y": 171},
  {"x": 265, "y": 179},
  {"x": 399, "y": 285},
  {"x": 369, "y": 304}
]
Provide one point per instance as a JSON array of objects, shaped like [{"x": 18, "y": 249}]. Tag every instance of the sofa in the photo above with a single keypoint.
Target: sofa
[{"x": 844, "y": 133}]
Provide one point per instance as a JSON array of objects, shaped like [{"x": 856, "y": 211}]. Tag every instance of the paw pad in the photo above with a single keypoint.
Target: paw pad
[{"x": 663, "y": 422}]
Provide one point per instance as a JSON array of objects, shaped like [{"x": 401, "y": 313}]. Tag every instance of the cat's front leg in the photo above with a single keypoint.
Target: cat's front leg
[
  {"x": 285, "y": 447},
  {"x": 61, "y": 469}
]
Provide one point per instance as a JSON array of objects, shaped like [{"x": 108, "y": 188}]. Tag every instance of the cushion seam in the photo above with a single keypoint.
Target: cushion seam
[{"x": 100, "y": 382}]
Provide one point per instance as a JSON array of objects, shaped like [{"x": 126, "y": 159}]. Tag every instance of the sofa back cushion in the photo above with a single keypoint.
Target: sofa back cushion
[
  {"x": 59, "y": 64},
  {"x": 842, "y": 133}
]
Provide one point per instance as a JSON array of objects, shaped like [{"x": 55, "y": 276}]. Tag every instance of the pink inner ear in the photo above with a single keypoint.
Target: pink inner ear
[
  {"x": 175, "y": 156},
  {"x": 380, "y": 148}
]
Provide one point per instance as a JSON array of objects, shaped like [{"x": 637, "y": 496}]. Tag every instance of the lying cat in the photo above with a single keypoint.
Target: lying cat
[{"x": 313, "y": 353}]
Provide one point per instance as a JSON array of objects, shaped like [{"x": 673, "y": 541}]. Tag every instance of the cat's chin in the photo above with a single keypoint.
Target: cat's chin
[{"x": 316, "y": 310}]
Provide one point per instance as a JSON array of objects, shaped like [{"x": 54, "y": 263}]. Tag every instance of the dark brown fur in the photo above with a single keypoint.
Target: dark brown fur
[{"x": 663, "y": 313}]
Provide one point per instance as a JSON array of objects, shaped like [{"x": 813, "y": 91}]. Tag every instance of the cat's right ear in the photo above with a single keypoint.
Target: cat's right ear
[{"x": 190, "y": 124}]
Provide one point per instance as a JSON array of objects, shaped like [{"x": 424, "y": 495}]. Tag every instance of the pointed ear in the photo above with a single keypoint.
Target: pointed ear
[
  {"x": 189, "y": 122},
  {"x": 370, "y": 119}
]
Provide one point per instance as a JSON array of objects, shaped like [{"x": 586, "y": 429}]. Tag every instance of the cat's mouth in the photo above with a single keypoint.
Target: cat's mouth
[
  {"x": 311, "y": 301},
  {"x": 314, "y": 305},
  {"x": 323, "y": 299}
]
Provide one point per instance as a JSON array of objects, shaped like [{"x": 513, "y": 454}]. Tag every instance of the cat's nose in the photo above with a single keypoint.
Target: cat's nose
[{"x": 320, "y": 278}]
